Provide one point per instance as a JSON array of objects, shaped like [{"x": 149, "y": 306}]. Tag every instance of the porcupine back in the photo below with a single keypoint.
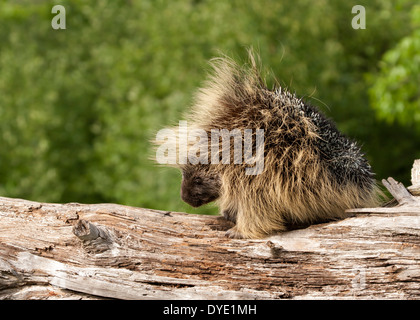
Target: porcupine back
[{"x": 312, "y": 172}]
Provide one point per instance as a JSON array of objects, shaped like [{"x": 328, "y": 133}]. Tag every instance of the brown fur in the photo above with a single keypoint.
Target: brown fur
[{"x": 296, "y": 185}]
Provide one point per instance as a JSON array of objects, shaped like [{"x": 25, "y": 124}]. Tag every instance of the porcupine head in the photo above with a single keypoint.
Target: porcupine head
[{"x": 266, "y": 157}]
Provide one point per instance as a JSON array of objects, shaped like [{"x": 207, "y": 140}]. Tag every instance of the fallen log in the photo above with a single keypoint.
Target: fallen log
[{"x": 96, "y": 251}]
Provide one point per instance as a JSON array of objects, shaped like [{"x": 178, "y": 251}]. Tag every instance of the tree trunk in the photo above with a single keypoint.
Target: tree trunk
[{"x": 57, "y": 251}]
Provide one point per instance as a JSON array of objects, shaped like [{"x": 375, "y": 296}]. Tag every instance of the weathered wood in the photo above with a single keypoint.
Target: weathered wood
[
  {"x": 415, "y": 179},
  {"x": 398, "y": 191},
  {"x": 408, "y": 201},
  {"x": 69, "y": 251}
]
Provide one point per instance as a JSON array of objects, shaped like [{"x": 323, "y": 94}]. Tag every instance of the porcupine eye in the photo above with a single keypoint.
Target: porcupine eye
[{"x": 198, "y": 181}]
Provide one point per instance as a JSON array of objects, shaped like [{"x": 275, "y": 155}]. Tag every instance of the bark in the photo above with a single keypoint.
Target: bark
[{"x": 80, "y": 251}]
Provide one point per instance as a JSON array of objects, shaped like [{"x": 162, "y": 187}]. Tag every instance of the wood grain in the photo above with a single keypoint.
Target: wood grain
[{"x": 148, "y": 254}]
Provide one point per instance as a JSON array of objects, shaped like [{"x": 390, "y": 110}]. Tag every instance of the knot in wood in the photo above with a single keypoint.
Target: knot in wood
[
  {"x": 275, "y": 250},
  {"x": 95, "y": 239}
]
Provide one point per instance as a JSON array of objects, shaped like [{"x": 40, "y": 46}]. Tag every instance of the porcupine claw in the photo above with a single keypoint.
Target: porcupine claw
[{"x": 233, "y": 233}]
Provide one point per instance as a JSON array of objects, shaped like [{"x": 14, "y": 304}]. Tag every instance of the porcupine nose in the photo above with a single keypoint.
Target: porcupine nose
[{"x": 191, "y": 199}]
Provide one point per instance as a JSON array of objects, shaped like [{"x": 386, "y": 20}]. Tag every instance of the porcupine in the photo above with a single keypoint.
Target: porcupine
[{"x": 312, "y": 173}]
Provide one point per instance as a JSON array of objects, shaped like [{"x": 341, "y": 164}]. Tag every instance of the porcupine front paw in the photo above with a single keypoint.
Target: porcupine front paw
[
  {"x": 233, "y": 233},
  {"x": 230, "y": 215}
]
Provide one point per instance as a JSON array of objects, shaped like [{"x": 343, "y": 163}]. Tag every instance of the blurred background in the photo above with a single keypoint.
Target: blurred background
[{"x": 79, "y": 107}]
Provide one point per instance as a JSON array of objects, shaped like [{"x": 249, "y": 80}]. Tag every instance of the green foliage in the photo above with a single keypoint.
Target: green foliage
[
  {"x": 79, "y": 107},
  {"x": 395, "y": 92}
]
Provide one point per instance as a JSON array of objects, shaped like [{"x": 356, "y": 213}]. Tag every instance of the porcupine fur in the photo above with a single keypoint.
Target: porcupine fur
[{"x": 312, "y": 172}]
